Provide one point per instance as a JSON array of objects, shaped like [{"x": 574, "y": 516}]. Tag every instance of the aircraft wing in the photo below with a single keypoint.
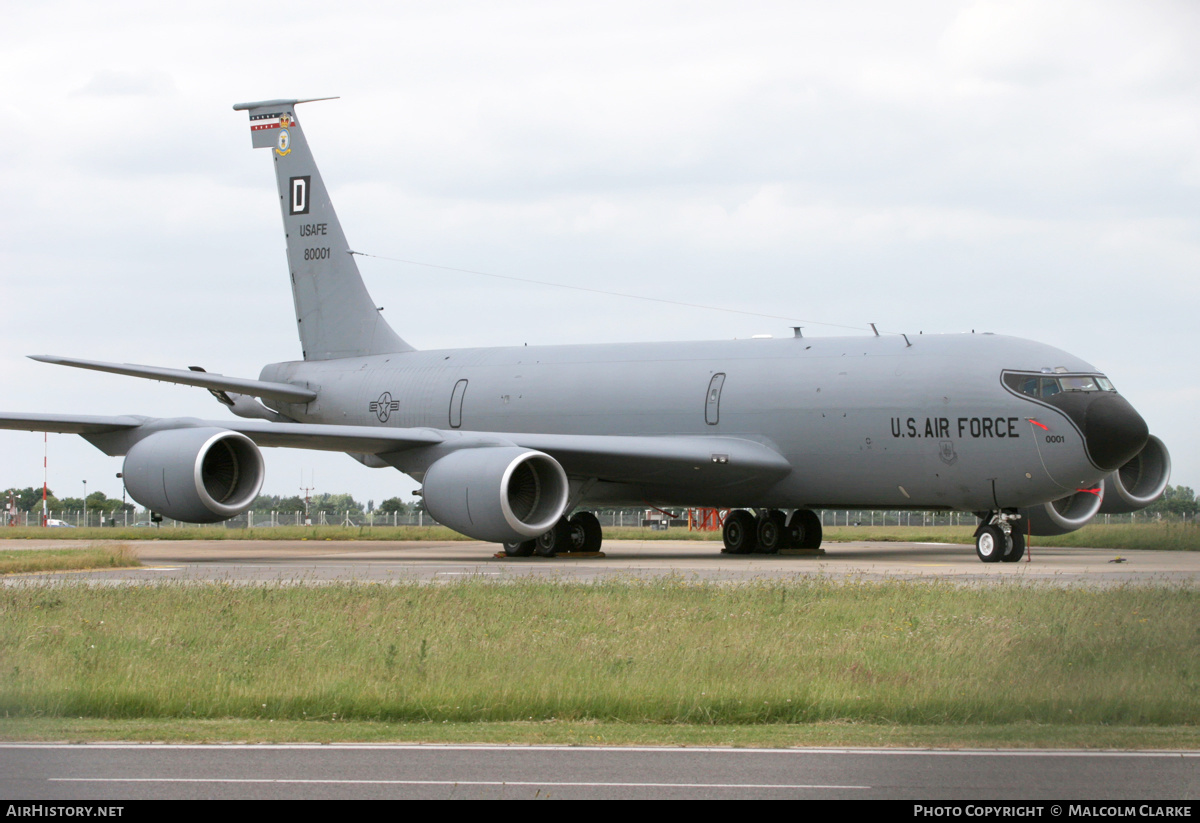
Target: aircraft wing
[
  {"x": 609, "y": 457},
  {"x": 661, "y": 458},
  {"x": 325, "y": 437},
  {"x": 650, "y": 459},
  {"x": 70, "y": 423}
]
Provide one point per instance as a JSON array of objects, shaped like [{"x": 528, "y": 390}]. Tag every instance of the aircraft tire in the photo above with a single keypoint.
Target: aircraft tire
[
  {"x": 519, "y": 548},
  {"x": 1017, "y": 550},
  {"x": 810, "y": 529},
  {"x": 575, "y": 537},
  {"x": 740, "y": 532},
  {"x": 556, "y": 540},
  {"x": 772, "y": 532},
  {"x": 991, "y": 543},
  {"x": 588, "y": 525},
  {"x": 793, "y": 532}
]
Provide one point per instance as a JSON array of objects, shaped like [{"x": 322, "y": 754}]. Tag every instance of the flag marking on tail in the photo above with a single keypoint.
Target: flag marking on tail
[{"x": 258, "y": 122}]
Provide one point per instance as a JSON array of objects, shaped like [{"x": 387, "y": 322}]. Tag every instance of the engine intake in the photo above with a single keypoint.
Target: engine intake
[
  {"x": 202, "y": 475},
  {"x": 496, "y": 493},
  {"x": 1139, "y": 482},
  {"x": 1063, "y": 515}
]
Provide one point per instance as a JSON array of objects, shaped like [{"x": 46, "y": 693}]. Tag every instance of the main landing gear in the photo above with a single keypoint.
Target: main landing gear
[
  {"x": 770, "y": 530},
  {"x": 745, "y": 532},
  {"x": 581, "y": 533},
  {"x": 999, "y": 539}
]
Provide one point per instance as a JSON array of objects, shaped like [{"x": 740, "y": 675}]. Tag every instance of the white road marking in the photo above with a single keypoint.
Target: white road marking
[{"x": 538, "y": 783}]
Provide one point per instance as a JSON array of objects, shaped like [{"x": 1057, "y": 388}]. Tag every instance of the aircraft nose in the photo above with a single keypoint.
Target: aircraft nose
[{"x": 1113, "y": 429}]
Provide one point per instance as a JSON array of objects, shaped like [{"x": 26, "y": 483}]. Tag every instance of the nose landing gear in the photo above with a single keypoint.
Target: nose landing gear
[{"x": 996, "y": 539}]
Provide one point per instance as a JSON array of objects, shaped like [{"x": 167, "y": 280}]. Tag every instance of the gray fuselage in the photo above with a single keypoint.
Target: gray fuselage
[{"x": 863, "y": 421}]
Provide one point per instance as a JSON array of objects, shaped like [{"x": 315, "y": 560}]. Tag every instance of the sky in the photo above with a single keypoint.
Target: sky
[{"x": 1024, "y": 168}]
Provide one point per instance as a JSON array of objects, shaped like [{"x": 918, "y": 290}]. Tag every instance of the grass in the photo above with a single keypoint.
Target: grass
[
  {"x": 670, "y": 655},
  {"x": 48, "y": 560}
]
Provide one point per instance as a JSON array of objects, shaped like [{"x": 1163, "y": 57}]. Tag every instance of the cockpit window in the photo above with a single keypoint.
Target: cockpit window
[
  {"x": 1042, "y": 386},
  {"x": 1079, "y": 384},
  {"x": 1026, "y": 385}
]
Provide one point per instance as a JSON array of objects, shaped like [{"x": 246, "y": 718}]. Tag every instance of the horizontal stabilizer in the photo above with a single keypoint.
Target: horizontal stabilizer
[{"x": 280, "y": 392}]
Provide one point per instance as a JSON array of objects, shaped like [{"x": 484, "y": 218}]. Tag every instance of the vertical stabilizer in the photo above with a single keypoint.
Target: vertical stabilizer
[{"x": 334, "y": 314}]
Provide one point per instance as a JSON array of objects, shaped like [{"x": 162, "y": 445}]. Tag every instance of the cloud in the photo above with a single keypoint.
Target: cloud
[
  {"x": 937, "y": 166},
  {"x": 110, "y": 83}
]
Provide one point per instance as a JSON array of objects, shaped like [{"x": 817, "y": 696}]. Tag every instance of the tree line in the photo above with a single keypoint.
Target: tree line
[
  {"x": 1177, "y": 501},
  {"x": 333, "y": 504},
  {"x": 30, "y": 500}
]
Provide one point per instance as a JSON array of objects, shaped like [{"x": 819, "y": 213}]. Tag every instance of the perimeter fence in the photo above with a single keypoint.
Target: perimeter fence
[{"x": 627, "y": 518}]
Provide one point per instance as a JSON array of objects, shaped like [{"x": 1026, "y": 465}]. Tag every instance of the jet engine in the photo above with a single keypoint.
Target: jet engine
[
  {"x": 1063, "y": 515},
  {"x": 1139, "y": 482},
  {"x": 496, "y": 493},
  {"x": 201, "y": 475}
]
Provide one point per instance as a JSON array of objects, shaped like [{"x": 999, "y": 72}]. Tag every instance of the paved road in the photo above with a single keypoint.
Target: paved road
[
  {"x": 322, "y": 561},
  {"x": 135, "y": 771}
]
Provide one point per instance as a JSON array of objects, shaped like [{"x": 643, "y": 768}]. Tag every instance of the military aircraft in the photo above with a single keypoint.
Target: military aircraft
[{"x": 508, "y": 442}]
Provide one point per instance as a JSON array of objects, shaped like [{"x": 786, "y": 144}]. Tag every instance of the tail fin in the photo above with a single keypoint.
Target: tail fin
[{"x": 334, "y": 314}]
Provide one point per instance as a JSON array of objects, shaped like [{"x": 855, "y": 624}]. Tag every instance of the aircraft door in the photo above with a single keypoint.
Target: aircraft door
[
  {"x": 712, "y": 404},
  {"x": 456, "y": 401}
]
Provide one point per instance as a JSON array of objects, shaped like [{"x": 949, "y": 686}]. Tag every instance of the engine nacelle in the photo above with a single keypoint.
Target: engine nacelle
[
  {"x": 1063, "y": 515},
  {"x": 202, "y": 475},
  {"x": 1139, "y": 482},
  {"x": 496, "y": 493}
]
